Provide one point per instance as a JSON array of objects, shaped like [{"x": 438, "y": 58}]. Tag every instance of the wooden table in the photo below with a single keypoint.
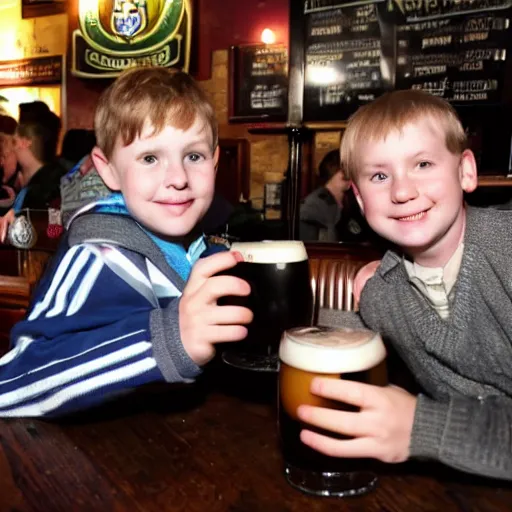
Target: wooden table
[{"x": 209, "y": 446}]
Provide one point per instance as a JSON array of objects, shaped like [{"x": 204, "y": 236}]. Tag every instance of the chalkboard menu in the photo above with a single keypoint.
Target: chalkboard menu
[
  {"x": 259, "y": 82},
  {"x": 456, "y": 49},
  {"x": 348, "y": 57},
  {"x": 355, "y": 51}
]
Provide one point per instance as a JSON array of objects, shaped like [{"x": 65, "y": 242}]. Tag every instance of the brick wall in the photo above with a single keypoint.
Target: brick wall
[{"x": 269, "y": 153}]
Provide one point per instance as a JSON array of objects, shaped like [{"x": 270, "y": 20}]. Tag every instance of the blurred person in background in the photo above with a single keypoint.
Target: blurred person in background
[
  {"x": 9, "y": 169},
  {"x": 35, "y": 146},
  {"x": 330, "y": 213},
  {"x": 76, "y": 145}
]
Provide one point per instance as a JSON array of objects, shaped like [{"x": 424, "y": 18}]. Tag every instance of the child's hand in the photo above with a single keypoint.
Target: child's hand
[
  {"x": 202, "y": 321},
  {"x": 381, "y": 429},
  {"x": 363, "y": 274},
  {"x": 5, "y": 222}
]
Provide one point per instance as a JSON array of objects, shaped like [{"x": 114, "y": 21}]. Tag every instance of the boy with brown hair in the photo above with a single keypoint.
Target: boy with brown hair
[
  {"x": 127, "y": 300},
  {"x": 443, "y": 297}
]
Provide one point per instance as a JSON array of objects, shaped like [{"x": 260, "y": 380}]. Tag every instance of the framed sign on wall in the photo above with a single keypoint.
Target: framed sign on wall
[
  {"x": 30, "y": 72},
  {"x": 258, "y": 82},
  {"x": 114, "y": 35}
]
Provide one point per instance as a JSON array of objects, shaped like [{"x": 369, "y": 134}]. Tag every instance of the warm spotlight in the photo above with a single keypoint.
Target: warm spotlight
[{"x": 268, "y": 36}]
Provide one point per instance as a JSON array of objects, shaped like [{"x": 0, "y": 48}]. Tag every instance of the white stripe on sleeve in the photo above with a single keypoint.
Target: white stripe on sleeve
[
  {"x": 112, "y": 255},
  {"x": 82, "y": 388},
  {"x": 57, "y": 278},
  {"x": 161, "y": 284},
  {"x": 61, "y": 379},
  {"x": 69, "y": 281},
  {"x": 85, "y": 287},
  {"x": 21, "y": 345},
  {"x": 65, "y": 359}
]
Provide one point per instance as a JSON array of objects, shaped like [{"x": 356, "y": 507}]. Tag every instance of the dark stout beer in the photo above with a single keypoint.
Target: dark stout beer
[
  {"x": 311, "y": 352},
  {"x": 281, "y": 298}
]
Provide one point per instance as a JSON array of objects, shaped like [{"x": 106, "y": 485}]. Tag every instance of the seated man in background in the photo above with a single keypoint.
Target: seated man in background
[
  {"x": 331, "y": 213},
  {"x": 35, "y": 147},
  {"x": 321, "y": 210}
]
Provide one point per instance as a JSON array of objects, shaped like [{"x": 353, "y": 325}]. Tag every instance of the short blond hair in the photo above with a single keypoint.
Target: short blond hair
[
  {"x": 161, "y": 96},
  {"x": 392, "y": 111}
]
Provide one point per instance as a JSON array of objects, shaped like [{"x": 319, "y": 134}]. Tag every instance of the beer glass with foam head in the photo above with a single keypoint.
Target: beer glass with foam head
[
  {"x": 308, "y": 352},
  {"x": 281, "y": 298}
]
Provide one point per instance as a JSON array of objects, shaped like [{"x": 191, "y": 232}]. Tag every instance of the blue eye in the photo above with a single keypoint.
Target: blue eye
[
  {"x": 149, "y": 159},
  {"x": 377, "y": 177},
  {"x": 195, "y": 157}
]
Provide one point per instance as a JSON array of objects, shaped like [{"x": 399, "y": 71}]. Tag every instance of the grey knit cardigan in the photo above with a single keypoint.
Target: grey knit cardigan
[{"x": 463, "y": 363}]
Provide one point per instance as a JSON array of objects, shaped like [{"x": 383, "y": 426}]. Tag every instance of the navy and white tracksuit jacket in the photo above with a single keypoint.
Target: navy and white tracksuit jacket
[{"x": 103, "y": 320}]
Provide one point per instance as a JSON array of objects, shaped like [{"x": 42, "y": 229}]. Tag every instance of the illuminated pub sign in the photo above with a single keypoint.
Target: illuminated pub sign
[{"x": 117, "y": 34}]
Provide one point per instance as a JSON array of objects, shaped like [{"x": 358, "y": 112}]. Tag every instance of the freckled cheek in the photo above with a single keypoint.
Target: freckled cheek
[
  {"x": 203, "y": 184},
  {"x": 145, "y": 186},
  {"x": 376, "y": 203},
  {"x": 435, "y": 190}
]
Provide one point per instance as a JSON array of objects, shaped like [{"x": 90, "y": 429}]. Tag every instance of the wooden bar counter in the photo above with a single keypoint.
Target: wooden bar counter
[{"x": 208, "y": 446}]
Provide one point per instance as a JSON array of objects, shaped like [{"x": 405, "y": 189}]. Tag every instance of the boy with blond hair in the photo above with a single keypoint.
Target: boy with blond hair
[
  {"x": 443, "y": 297},
  {"x": 127, "y": 300}
]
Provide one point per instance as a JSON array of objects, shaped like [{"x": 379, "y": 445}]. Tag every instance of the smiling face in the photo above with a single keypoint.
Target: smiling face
[
  {"x": 167, "y": 179},
  {"x": 410, "y": 187}
]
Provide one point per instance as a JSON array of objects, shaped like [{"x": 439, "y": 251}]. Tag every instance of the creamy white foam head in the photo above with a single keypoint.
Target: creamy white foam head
[
  {"x": 272, "y": 251},
  {"x": 329, "y": 350}
]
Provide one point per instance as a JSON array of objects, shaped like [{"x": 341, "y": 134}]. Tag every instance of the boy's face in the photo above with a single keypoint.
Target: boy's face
[
  {"x": 410, "y": 188},
  {"x": 7, "y": 155},
  {"x": 167, "y": 179}
]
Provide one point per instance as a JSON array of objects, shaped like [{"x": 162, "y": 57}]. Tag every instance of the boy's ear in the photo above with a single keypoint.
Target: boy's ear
[
  {"x": 358, "y": 196},
  {"x": 105, "y": 169},
  {"x": 468, "y": 171}
]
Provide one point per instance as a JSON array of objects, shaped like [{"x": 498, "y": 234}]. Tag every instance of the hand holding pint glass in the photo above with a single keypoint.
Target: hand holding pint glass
[
  {"x": 306, "y": 353},
  {"x": 280, "y": 298},
  {"x": 203, "y": 323}
]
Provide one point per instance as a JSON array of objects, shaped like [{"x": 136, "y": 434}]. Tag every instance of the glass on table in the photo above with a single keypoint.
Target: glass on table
[
  {"x": 306, "y": 353},
  {"x": 281, "y": 297}
]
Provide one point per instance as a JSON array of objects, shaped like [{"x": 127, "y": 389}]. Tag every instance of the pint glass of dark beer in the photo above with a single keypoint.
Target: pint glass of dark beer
[
  {"x": 281, "y": 297},
  {"x": 310, "y": 352}
]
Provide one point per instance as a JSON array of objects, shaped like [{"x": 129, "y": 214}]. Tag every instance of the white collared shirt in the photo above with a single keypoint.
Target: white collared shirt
[{"x": 436, "y": 283}]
